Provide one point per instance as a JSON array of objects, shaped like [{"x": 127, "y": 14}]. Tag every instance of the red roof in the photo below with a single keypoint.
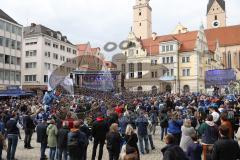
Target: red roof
[
  {"x": 187, "y": 41},
  {"x": 227, "y": 36}
]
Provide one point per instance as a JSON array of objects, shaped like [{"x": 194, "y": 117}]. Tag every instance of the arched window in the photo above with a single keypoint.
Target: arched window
[{"x": 216, "y": 17}]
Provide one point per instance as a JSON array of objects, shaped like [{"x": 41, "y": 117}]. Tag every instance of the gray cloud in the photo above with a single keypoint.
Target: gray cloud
[{"x": 100, "y": 21}]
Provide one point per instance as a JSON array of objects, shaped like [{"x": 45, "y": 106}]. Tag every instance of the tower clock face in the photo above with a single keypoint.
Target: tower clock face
[{"x": 216, "y": 24}]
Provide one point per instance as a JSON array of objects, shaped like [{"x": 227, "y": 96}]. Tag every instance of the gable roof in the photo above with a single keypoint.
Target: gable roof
[
  {"x": 187, "y": 42},
  {"x": 220, "y": 2},
  {"x": 40, "y": 29},
  {"x": 6, "y": 17},
  {"x": 226, "y": 36}
]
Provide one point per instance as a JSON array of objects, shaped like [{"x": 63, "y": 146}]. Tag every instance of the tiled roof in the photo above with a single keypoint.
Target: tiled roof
[
  {"x": 220, "y": 2},
  {"x": 227, "y": 36},
  {"x": 6, "y": 17},
  {"x": 187, "y": 42}
]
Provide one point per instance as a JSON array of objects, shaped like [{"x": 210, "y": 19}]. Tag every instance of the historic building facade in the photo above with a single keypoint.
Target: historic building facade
[
  {"x": 177, "y": 62},
  {"x": 10, "y": 51}
]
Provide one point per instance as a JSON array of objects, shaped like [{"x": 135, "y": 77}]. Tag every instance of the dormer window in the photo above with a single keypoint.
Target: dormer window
[{"x": 59, "y": 36}]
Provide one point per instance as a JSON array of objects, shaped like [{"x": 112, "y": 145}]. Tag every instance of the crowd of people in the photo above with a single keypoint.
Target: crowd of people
[{"x": 191, "y": 125}]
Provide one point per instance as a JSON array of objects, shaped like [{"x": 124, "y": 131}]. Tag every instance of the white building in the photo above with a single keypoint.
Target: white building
[
  {"x": 10, "y": 51},
  {"x": 44, "y": 50}
]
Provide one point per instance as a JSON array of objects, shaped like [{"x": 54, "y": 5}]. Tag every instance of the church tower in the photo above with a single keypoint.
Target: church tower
[
  {"x": 216, "y": 14},
  {"x": 142, "y": 19}
]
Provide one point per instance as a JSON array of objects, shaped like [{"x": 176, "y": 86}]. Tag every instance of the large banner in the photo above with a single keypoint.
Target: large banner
[{"x": 219, "y": 77}]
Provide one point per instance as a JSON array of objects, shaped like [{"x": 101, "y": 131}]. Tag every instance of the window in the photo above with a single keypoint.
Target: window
[
  {"x": 13, "y": 60},
  {"x": 12, "y": 76},
  {"x": 152, "y": 74},
  {"x": 185, "y": 59},
  {"x": 19, "y": 31},
  {"x": 163, "y": 48},
  {"x": 68, "y": 49},
  {"x": 172, "y": 72},
  {"x": 47, "y": 54},
  {"x": 167, "y": 48},
  {"x": 1, "y": 58},
  {"x": 140, "y": 13},
  {"x": 47, "y": 42},
  {"x": 13, "y": 29},
  {"x": 74, "y": 51},
  {"x": 1, "y": 74},
  {"x": 62, "y": 47},
  {"x": 18, "y": 45},
  {"x": 139, "y": 74},
  {"x": 13, "y": 44},
  {"x": 7, "y": 59},
  {"x": 8, "y": 27},
  {"x": 30, "y": 43},
  {"x": 1, "y": 41},
  {"x": 139, "y": 65},
  {"x": 30, "y": 78},
  {"x": 167, "y": 59},
  {"x": 45, "y": 78},
  {"x": 62, "y": 58},
  {"x": 186, "y": 72},
  {"x": 140, "y": 24},
  {"x": 54, "y": 66},
  {"x": 55, "y": 45},
  {"x": 163, "y": 60},
  {"x": 18, "y": 61},
  {"x": 47, "y": 66},
  {"x": 30, "y": 65},
  {"x": 229, "y": 60},
  {"x": 171, "y": 59},
  {"x": 2, "y": 23},
  {"x": 55, "y": 56},
  {"x": 31, "y": 53},
  {"x": 7, "y": 42},
  {"x": 171, "y": 47},
  {"x": 215, "y": 17},
  {"x": 155, "y": 74},
  {"x": 131, "y": 70},
  {"x": 7, "y": 75},
  {"x": 17, "y": 76}
]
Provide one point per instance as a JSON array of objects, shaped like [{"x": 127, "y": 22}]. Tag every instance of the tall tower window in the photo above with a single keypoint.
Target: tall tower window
[
  {"x": 140, "y": 24},
  {"x": 140, "y": 13},
  {"x": 215, "y": 17}
]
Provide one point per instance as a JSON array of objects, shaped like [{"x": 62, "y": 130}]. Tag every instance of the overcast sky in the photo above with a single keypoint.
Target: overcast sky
[{"x": 101, "y": 21}]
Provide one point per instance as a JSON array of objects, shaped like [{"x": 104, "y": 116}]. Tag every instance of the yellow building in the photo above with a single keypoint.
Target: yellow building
[{"x": 177, "y": 62}]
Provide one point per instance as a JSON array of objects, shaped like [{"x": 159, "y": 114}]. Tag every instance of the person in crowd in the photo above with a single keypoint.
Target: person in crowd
[
  {"x": 12, "y": 136},
  {"x": 225, "y": 148},
  {"x": 85, "y": 129},
  {"x": 131, "y": 138},
  {"x": 3, "y": 145},
  {"x": 131, "y": 154},
  {"x": 187, "y": 131},
  {"x": 238, "y": 135},
  {"x": 163, "y": 117},
  {"x": 194, "y": 150},
  {"x": 150, "y": 129},
  {"x": 174, "y": 126},
  {"x": 227, "y": 123},
  {"x": 153, "y": 116},
  {"x": 41, "y": 130},
  {"x": 113, "y": 142},
  {"x": 142, "y": 124},
  {"x": 208, "y": 131},
  {"x": 123, "y": 122},
  {"x": 99, "y": 132},
  {"x": 29, "y": 127},
  {"x": 214, "y": 113},
  {"x": 172, "y": 151},
  {"x": 77, "y": 142},
  {"x": 62, "y": 142},
  {"x": 52, "y": 132}
]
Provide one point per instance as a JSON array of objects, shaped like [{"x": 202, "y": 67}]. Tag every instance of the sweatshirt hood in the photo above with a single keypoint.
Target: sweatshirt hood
[{"x": 210, "y": 123}]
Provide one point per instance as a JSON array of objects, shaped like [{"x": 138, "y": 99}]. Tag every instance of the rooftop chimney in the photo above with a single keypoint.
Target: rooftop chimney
[{"x": 154, "y": 36}]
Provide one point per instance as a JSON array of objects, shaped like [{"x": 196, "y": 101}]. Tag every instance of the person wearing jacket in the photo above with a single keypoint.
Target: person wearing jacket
[
  {"x": 174, "y": 127},
  {"x": 85, "y": 129},
  {"x": 227, "y": 123},
  {"x": 12, "y": 136},
  {"x": 99, "y": 131},
  {"x": 187, "y": 131},
  {"x": 41, "y": 130},
  {"x": 123, "y": 122},
  {"x": 194, "y": 150},
  {"x": 172, "y": 151},
  {"x": 29, "y": 127},
  {"x": 52, "y": 132},
  {"x": 208, "y": 131},
  {"x": 62, "y": 138},
  {"x": 131, "y": 138},
  {"x": 113, "y": 142},
  {"x": 163, "y": 117},
  {"x": 225, "y": 148}
]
